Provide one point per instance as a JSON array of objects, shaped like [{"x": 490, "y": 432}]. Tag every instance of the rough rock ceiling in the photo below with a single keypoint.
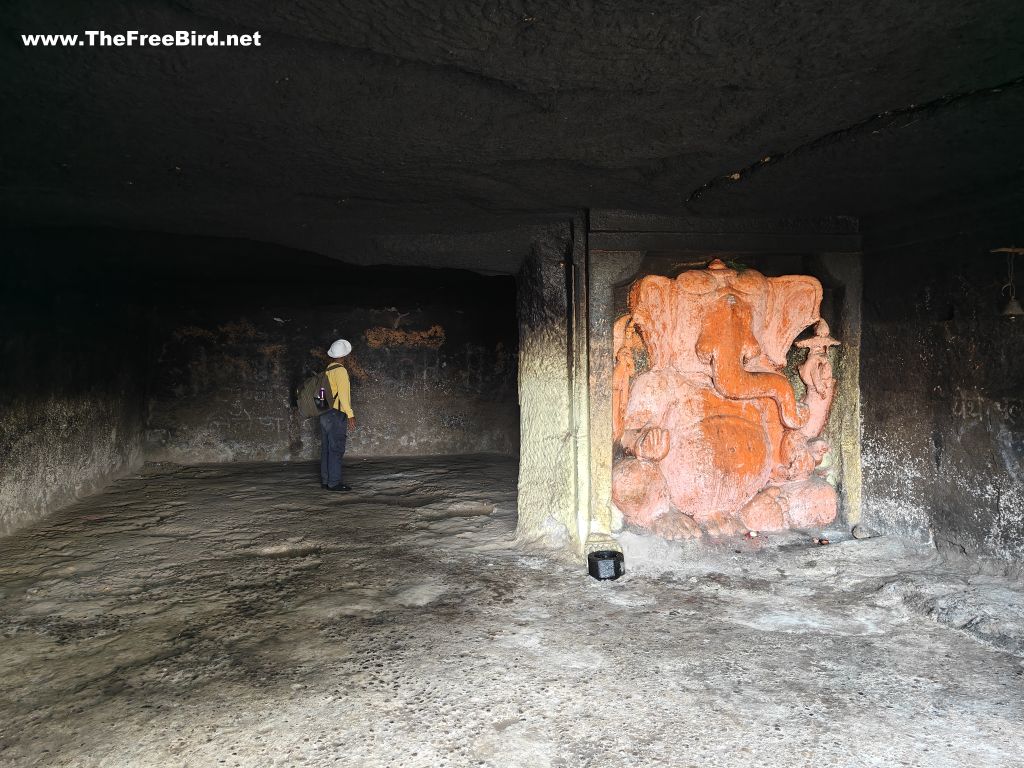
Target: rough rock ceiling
[{"x": 355, "y": 120}]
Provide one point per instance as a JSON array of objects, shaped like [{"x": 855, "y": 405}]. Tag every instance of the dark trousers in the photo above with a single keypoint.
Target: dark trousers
[{"x": 333, "y": 435}]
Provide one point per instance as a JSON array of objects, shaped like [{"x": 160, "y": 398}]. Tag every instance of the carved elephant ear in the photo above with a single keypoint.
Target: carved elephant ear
[
  {"x": 653, "y": 306},
  {"x": 794, "y": 302},
  {"x": 619, "y": 332}
]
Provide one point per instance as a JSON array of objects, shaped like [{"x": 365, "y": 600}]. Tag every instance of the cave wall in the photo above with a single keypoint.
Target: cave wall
[
  {"x": 943, "y": 387},
  {"x": 72, "y": 380},
  {"x": 121, "y": 347},
  {"x": 432, "y": 368}
]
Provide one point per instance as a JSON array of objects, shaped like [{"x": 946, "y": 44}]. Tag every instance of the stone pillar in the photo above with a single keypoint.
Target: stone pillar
[
  {"x": 606, "y": 269},
  {"x": 844, "y": 425},
  {"x": 579, "y": 337},
  {"x": 548, "y": 499}
]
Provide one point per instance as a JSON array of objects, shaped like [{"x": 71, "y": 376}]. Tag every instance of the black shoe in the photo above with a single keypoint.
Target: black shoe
[
  {"x": 324, "y": 486},
  {"x": 341, "y": 487}
]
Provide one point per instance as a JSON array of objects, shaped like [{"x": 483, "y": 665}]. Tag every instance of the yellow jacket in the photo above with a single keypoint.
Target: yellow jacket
[{"x": 338, "y": 378}]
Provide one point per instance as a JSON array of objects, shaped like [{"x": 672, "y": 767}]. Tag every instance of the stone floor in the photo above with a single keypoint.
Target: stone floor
[{"x": 238, "y": 615}]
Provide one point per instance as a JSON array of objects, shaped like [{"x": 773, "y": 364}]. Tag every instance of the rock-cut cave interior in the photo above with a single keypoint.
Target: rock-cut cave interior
[{"x": 542, "y": 384}]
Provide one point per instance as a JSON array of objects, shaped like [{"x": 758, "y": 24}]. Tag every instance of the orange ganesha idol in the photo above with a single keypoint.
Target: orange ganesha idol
[{"x": 712, "y": 436}]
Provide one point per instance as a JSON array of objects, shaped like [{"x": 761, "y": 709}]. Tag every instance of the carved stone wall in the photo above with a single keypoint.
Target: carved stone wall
[{"x": 433, "y": 367}]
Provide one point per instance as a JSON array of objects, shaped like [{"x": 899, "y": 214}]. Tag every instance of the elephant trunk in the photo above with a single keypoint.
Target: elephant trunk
[{"x": 726, "y": 342}]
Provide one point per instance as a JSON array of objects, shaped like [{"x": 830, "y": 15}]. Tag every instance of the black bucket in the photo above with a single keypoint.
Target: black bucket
[{"x": 606, "y": 564}]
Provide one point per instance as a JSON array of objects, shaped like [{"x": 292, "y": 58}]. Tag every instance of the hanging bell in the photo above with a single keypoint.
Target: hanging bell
[{"x": 1013, "y": 308}]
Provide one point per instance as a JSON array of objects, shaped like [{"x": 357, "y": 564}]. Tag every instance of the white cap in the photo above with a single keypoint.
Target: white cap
[{"x": 340, "y": 348}]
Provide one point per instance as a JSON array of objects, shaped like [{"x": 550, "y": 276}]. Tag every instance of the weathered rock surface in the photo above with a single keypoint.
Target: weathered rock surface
[
  {"x": 237, "y": 615},
  {"x": 355, "y": 123}
]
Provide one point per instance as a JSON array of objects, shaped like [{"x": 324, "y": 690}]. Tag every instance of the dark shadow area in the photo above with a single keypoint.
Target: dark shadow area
[
  {"x": 943, "y": 384},
  {"x": 124, "y": 347}
]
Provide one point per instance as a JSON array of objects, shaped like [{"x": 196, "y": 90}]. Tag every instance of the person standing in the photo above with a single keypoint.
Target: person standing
[{"x": 336, "y": 421}]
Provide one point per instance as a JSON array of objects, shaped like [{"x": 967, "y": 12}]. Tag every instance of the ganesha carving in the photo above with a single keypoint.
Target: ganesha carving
[{"x": 710, "y": 434}]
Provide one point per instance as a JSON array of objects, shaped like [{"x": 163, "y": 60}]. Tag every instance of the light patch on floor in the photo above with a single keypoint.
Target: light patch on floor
[{"x": 238, "y": 615}]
